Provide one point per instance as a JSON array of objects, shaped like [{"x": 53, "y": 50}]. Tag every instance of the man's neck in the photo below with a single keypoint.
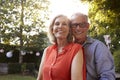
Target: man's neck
[{"x": 81, "y": 40}]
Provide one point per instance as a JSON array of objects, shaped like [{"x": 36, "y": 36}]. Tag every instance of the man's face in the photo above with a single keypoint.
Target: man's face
[{"x": 79, "y": 26}]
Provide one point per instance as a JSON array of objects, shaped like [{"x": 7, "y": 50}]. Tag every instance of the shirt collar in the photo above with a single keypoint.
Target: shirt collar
[{"x": 89, "y": 40}]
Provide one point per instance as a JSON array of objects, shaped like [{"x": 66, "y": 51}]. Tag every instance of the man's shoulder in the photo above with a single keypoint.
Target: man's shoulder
[{"x": 93, "y": 41}]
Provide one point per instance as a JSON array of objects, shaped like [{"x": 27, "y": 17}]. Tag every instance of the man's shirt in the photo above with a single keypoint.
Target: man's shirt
[{"x": 99, "y": 60}]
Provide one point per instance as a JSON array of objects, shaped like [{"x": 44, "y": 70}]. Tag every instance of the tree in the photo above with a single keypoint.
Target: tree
[
  {"x": 104, "y": 17},
  {"x": 20, "y": 19}
]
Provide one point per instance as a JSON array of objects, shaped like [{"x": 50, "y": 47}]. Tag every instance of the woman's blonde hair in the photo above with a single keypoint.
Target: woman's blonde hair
[{"x": 50, "y": 30}]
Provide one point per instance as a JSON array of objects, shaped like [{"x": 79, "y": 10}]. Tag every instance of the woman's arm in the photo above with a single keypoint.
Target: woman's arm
[
  {"x": 77, "y": 66},
  {"x": 41, "y": 66}
]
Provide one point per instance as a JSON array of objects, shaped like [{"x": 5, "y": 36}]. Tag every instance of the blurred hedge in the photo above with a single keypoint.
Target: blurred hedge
[
  {"x": 14, "y": 68},
  {"x": 13, "y": 62},
  {"x": 117, "y": 60}
]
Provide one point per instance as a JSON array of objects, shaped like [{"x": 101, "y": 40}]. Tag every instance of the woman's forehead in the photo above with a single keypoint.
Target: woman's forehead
[{"x": 62, "y": 19}]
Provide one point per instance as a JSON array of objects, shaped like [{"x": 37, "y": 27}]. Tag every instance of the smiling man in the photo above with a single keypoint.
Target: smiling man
[{"x": 99, "y": 60}]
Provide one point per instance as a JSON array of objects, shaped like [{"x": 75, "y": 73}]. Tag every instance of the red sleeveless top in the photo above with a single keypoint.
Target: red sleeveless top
[{"x": 58, "y": 66}]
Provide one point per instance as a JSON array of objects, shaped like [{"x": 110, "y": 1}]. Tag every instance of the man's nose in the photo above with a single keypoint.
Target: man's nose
[{"x": 78, "y": 27}]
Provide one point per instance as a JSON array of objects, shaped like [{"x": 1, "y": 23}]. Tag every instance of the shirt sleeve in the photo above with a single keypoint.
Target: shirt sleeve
[{"x": 104, "y": 62}]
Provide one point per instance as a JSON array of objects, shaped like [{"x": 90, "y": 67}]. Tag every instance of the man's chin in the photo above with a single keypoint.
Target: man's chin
[{"x": 78, "y": 38}]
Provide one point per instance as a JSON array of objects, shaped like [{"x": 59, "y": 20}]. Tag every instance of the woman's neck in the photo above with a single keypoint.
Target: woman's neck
[{"x": 61, "y": 44}]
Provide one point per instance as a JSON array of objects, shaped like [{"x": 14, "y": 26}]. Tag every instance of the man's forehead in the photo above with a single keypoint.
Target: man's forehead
[{"x": 78, "y": 17}]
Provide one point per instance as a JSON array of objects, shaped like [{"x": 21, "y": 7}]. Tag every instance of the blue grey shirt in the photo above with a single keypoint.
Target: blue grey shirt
[{"x": 99, "y": 60}]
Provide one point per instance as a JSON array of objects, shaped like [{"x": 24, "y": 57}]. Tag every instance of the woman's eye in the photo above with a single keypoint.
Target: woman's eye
[{"x": 57, "y": 23}]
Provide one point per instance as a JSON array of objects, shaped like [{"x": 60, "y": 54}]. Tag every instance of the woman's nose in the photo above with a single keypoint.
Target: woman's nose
[{"x": 60, "y": 25}]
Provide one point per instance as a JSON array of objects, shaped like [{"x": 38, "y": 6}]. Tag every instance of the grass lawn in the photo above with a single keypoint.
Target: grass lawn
[{"x": 16, "y": 77}]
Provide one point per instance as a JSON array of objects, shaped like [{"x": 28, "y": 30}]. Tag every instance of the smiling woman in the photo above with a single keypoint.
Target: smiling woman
[{"x": 67, "y": 7}]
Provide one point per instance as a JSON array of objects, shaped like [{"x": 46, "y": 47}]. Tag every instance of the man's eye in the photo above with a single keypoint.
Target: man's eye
[
  {"x": 64, "y": 24},
  {"x": 74, "y": 25}
]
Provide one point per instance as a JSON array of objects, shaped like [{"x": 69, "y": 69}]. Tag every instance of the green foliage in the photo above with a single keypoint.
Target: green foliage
[
  {"x": 14, "y": 68},
  {"x": 22, "y": 21},
  {"x": 105, "y": 20},
  {"x": 28, "y": 68},
  {"x": 23, "y": 67},
  {"x": 38, "y": 41},
  {"x": 117, "y": 60},
  {"x": 17, "y": 23}
]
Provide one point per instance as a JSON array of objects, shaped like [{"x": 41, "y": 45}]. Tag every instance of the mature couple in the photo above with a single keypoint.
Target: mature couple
[{"x": 74, "y": 55}]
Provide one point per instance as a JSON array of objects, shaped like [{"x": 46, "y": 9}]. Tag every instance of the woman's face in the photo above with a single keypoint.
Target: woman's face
[{"x": 61, "y": 28}]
